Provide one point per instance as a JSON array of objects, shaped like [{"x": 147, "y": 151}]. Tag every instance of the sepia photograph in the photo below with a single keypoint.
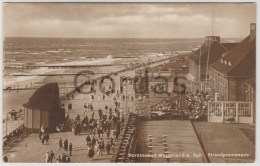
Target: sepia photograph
[{"x": 129, "y": 82}]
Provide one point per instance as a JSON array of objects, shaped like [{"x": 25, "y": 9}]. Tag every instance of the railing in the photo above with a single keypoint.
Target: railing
[
  {"x": 230, "y": 111},
  {"x": 14, "y": 135},
  {"x": 127, "y": 144}
]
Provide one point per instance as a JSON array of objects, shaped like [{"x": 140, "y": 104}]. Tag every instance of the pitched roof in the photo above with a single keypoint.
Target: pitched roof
[
  {"x": 239, "y": 61},
  {"x": 214, "y": 49},
  {"x": 45, "y": 98}
]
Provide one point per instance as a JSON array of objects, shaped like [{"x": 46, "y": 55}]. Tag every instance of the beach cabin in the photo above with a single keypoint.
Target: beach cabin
[{"x": 43, "y": 109}]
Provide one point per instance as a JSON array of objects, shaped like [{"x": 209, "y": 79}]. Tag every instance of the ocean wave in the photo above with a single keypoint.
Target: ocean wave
[
  {"x": 27, "y": 77},
  {"x": 109, "y": 57},
  {"x": 12, "y": 52},
  {"x": 53, "y": 51},
  {"x": 37, "y": 53},
  {"x": 40, "y": 63}
]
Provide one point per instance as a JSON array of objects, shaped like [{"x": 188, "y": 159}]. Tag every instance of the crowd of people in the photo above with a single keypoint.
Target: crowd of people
[
  {"x": 44, "y": 135},
  {"x": 98, "y": 145},
  {"x": 105, "y": 129},
  {"x": 165, "y": 106},
  {"x": 198, "y": 103}
]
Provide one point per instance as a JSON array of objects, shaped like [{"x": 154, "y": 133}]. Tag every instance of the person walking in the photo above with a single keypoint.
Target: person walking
[
  {"x": 58, "y": 159},
  {"x": 102, "y": 145},
  {"x": 88, "y": 139},
  {"x": 66, "y": 144},
  {"x": 93, "y": 142},
  {"x": 60, "y": 143},
  {"x": 63, "y": 158},
  {"x": 108, "y": 146},
  {"x": 40, "y": 134},
  {"x": 47, "y": 137},
  {"x": 70, "y": 149},
  {"x": 106, "y": 108},
  {"x": 47, "y": 157},
  {"x": 91, "y": 154},
  {"x": 43, "y": 138},
  {"x": 52, "y": 156},
  {"x": 110, "y": 110},
  {"x": 100, "y": 148}
]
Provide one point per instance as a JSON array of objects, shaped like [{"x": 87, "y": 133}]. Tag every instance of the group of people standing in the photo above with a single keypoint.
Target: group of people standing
[
  {"x": 97, "y": 146},
  {"x": 50, "y": 156},
  {"x": 198, "y": 103},
  {"x": 44, "y": 135}
]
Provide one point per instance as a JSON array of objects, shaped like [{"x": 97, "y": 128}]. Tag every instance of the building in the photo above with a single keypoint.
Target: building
[
  {"x": 233, "y": 75},
  {"x": 200, "y": 59},
  {"x": 43, "y": 109}
]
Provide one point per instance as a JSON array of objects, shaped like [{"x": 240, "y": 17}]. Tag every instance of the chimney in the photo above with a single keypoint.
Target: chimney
[{"x": 252, "y": 30}]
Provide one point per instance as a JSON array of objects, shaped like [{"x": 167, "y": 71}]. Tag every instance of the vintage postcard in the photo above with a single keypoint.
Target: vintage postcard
[{"x": 129, "y": 82}]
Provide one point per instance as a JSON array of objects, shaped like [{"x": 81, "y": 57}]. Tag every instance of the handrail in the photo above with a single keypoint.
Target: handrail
[{"x": 13, "y": 134}]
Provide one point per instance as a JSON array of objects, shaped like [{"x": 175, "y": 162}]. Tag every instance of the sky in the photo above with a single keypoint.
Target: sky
[{"x": 128, "y": 20}]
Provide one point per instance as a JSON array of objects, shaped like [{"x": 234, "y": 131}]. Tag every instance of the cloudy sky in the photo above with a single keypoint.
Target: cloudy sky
[{"x": 144, "y": 20}]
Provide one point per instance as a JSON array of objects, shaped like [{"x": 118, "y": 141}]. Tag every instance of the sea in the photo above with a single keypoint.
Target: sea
[{"x": 47, "y": 51}]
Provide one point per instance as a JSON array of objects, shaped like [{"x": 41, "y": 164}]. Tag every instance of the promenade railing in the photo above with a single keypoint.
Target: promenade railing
[{"x": 13, "y": 136}]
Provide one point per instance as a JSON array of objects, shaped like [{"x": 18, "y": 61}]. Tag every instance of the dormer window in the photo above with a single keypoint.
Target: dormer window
[
  {"x": 229, "y": 63},
  {"x": 225, "y": 61},
  {"x": 221, "y": 60}
]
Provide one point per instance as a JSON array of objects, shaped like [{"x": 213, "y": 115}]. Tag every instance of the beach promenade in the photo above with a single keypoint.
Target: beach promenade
[
  {"x": 16, "y": 98},
  {"x": 30, "y": 149}
]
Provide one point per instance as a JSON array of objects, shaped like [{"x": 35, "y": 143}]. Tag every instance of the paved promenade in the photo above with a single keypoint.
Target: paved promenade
[
  {"x": 31, "y": 150},
  {"x": 182, "y": 141},
  {"x": 219, "y": 138}
]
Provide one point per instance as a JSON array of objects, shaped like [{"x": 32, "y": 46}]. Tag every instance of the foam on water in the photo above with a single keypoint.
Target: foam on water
[{"x": 27, "y": 77}]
